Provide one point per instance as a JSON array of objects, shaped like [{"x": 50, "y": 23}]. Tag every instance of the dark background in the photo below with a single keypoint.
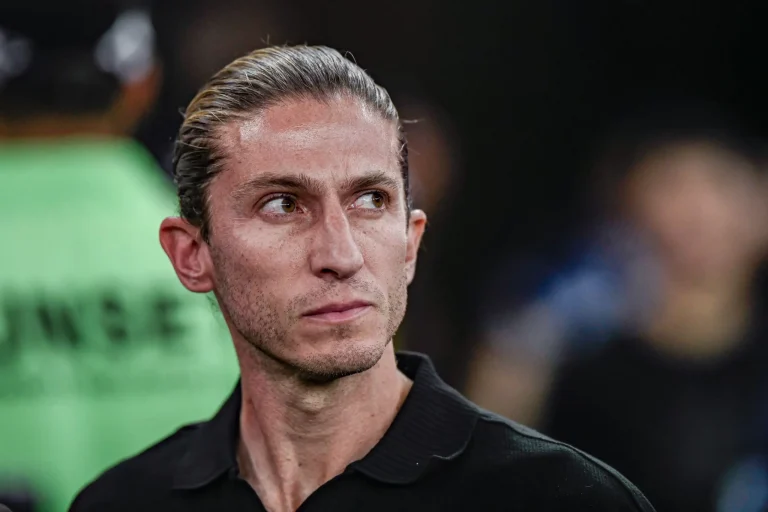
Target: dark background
[
  {"x": 515, "y": 102},
  {"x": 531, "y": 89}
]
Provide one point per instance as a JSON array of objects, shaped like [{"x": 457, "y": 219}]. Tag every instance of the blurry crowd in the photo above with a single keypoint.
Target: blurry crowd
[
  {"x": 642, "y": 321},
  {"x": 651, "y": 329}
]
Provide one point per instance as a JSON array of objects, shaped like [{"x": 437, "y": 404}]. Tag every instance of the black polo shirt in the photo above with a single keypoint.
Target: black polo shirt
[{"x": 441, "y": 453}]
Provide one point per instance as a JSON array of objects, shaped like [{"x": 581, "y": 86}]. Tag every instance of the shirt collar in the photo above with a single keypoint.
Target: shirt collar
[
  {"x": 212, "y": 447},
  {"x": 434, "y": 424}
]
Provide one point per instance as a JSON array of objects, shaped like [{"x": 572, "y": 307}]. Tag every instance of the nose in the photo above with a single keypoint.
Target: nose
[{"x": 335, "y": 253}]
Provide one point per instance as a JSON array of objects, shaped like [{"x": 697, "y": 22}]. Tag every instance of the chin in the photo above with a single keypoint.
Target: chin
[{"x": 347, "y": 357}]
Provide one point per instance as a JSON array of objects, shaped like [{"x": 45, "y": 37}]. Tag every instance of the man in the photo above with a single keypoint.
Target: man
[
  {"x": 295, "y": 212},
  {"x": 102, "y": 351}
]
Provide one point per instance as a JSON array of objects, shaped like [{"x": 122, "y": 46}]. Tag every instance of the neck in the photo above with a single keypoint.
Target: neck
[
  {"x": 296, "y": 436},
  {"x": 702, "y": 320}
]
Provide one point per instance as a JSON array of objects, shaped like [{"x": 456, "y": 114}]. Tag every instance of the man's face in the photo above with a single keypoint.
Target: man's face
[{"x": 311, "y": 248}]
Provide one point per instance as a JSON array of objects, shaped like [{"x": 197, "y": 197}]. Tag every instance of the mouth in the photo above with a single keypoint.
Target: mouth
[{"x": 339, "y": 312}]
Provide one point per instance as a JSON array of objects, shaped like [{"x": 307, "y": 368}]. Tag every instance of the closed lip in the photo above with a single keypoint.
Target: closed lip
[{"x": 338, "y": 307}]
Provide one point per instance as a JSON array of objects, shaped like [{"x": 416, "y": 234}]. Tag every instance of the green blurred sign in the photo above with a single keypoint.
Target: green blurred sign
[{"x": 102, "y": 351}]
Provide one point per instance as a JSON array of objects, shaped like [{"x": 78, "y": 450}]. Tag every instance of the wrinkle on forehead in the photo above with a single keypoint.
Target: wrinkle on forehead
[
  {"x": 302, "y": 122},
  {"x": 309, "y": 135},
  {"x": 300, "y": 137}
]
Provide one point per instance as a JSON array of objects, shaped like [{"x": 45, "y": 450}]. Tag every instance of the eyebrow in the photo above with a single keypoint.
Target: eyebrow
[
  {"x": 370, "y": 180},
  {"x": 305, "y": 183}
]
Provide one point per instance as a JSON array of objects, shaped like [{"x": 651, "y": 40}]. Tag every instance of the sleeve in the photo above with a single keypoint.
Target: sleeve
[
  {"x": 89, "y": 500},
  {"x": 561, "y": 480},
  {"x": 102, "y": 495},
  {"x": 583, "y": 482},
  {"x": 80, "y": 504},
  {"x": 610, "y": 492}
]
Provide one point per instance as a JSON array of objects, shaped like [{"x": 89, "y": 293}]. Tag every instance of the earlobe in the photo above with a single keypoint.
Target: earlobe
[
  {"x": 188, "y": 253},
  {"x": 416, "y": 226}
]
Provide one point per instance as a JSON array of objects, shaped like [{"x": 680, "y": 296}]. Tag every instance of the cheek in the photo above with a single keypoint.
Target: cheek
[
  {"x": 384, "y": 251},
  {"x": 264, "y": 255}
]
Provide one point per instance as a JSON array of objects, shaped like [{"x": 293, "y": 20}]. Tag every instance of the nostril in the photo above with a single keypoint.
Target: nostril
[{"x": 333, "y": 274}]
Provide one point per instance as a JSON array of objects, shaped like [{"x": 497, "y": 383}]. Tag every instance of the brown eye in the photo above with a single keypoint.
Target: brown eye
[
  {"x": 281, "y": 206},
  {"x": 371, "y": 201},
  {"x": 377, "y": 199},
  {"x": 288, "y": 205}
]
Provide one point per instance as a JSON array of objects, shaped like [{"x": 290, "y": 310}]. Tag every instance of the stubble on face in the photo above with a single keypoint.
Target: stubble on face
[
  {"x": 263, "y": 270},
  {"x": 265, "y": 328}
]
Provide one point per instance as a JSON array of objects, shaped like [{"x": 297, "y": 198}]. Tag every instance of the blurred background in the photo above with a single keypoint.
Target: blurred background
[{"x": 595, "y": 173}]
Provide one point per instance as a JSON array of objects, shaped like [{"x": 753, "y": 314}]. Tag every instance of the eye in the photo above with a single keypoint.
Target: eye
[
  {"x": 371, "y": 201},
  {"x": 280, "y": 206}
]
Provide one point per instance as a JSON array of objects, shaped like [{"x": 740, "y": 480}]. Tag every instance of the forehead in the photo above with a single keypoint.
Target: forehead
[{"x": 329, "y": 139}]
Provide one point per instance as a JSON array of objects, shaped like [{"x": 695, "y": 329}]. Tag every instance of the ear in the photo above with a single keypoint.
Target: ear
[
  {"x": 189, "y": 254},
  {"x": 416, "y": 226}
]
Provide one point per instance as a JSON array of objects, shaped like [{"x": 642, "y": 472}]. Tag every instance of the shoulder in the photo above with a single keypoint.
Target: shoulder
[
  {"x": 547, "y": 474},
  {"x": 144, "y": 476}
]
